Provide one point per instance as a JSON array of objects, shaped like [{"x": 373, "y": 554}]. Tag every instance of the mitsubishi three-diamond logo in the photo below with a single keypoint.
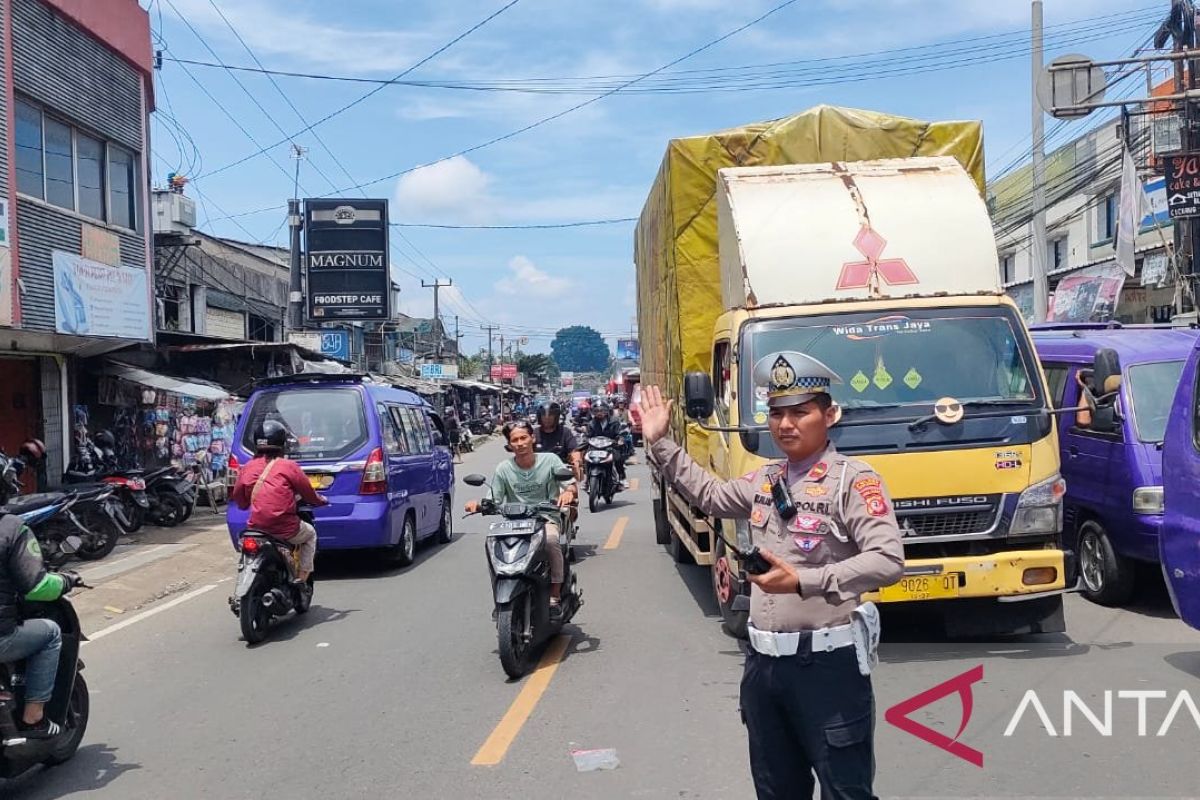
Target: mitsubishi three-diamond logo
[
  {"x": 898, "y": 715},
  {"x": 869, "y": 273}
]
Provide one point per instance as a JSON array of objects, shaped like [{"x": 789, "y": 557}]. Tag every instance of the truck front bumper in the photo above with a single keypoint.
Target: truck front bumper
[{"x": 1007, "y": 574}]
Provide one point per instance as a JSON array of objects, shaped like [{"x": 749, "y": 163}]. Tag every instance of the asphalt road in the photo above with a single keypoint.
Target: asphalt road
[{"x": 391, "y": 687}]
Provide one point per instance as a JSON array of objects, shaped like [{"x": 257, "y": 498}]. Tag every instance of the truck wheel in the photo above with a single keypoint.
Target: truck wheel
[
  {"x": 662, "y": 528},
  {"x": 1108, "y": 579},
  {"x": 726, "y": 587}
]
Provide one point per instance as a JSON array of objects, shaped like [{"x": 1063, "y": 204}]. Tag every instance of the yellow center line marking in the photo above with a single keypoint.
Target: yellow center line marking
[
  {"x": 493, "y": 750},
  {"x": 614, "y": 538},
  {"x": 633, "y": 484}
]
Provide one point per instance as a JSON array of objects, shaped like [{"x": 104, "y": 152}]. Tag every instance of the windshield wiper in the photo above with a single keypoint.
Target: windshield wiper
[{"x": 920, "y": 421}]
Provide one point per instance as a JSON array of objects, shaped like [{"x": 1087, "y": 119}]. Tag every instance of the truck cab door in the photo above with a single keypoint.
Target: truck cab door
[
  {"x": 1179, "y": 540},
  {"x": 718, "y": 443}
]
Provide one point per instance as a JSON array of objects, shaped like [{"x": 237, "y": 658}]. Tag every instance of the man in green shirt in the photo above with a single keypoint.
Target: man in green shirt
[{"x": 528, "y": 477}]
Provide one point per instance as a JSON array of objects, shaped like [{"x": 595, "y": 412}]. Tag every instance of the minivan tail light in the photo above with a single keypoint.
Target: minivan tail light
[{"x": 374, "y": 480}]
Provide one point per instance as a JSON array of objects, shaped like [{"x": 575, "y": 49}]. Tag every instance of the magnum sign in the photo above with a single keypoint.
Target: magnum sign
[{"x": 347, "y": 259}]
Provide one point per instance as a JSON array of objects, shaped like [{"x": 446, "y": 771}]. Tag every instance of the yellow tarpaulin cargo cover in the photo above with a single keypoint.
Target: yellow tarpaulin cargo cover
[{"x": 675, "y": 246}]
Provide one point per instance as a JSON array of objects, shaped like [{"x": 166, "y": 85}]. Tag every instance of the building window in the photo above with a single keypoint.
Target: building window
[
  {"x": 1008, "y": 266},
  {"x": 30, "y": 172},
  {"x": 1056, "y": 254},
  {"x": 74, "y": 170},
  {"x": 90, "y": 155},
  {"x": 260, "y": 329},
  {"x": 60, "y": 167},
  {"x": 1108, "y": 217},
  {"x": 122, "y": 176}
]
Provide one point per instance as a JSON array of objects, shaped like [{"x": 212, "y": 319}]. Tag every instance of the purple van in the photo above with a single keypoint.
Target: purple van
[
  {"x": 1179, "y": 543},
  {"x": 377, "y": 453},
  {"x": 1112, "y": 454}
]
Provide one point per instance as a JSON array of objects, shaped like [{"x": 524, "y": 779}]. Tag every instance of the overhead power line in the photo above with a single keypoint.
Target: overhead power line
[
  {"x": 371, "y": 93},
  {"x": 519, "y": 227}
]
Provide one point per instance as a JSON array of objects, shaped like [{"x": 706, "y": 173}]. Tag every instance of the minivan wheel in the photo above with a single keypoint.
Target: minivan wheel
[
  {"x": 446, "y": 530},
  {"x": 403, "y": 551},
  {"x": 1108, "y": 579}
]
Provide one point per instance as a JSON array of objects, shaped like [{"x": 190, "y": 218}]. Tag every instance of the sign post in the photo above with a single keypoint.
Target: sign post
[{"x": 347, "y": 260}]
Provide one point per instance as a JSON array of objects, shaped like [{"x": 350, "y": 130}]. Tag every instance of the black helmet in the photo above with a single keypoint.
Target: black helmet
[
  {"x": 270, "y": 435},
  {"x": 105, "y": 440}
]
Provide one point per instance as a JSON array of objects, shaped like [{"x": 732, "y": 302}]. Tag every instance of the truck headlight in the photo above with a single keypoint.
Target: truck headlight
[
  {"x": 1039, "y": 510},
  {"x": 1148, "y": 500}
]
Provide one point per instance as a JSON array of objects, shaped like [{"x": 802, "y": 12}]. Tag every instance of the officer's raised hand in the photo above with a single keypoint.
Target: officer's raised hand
[
  {"x": 656, "y": 414},
  {"x": 779, "y": 579}
]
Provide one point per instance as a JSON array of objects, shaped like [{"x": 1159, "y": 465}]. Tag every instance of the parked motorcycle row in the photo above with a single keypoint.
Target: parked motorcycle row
[{"x": 99, "y": 502}]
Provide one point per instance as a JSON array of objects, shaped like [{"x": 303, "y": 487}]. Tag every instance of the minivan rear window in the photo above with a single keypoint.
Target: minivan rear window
[{"x": 322, "y": 423}]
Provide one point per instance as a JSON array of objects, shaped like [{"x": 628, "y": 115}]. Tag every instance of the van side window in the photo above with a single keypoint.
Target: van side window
[
  {"x": 1196, "y": 412},
  {"x": 439, "y": 430},
  {"x": 388, "y": 431},
  {"x": 402, "y": 445},
  {"x": 720, "y": 379},
  {"x": 415, "y": 431},
  {"x": 1056, "y": 379}
]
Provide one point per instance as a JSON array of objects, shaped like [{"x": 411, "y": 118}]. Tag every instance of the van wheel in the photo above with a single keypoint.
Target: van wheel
[
  {"x": 404, "y": 550},
  {"x": 1108, "y": 578},
  {"x": 445, "y": 531}
]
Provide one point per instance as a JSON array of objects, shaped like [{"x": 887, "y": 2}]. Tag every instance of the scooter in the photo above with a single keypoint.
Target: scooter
[
  {"x": 520, "y": 573},
  {"x": 172, "y": 496},
  {"x": 87, "y": 517},
  {"x": 601, "y": 465},
  {"x": 68, "y": 707},
  {"x": 266, "y": 586},
  {"x": 96, "y": 465}
]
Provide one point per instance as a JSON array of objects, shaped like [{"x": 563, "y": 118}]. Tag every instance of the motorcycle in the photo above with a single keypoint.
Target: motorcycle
[
  {"x": 601, "y": 465},
  {"x": 82, "y": 521},
  {"x": 96, "y": 465},
  {"x": 481, "y": 426},
  {"x": 68, "y": 707},
  {"x": 520, "y": 574},
  {"x": 266, "y": 586},
  {"x": 172, "y": 496}
]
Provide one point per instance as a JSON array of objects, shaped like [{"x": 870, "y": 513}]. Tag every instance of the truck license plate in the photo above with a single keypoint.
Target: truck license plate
[{"x": 921, "y": 587}]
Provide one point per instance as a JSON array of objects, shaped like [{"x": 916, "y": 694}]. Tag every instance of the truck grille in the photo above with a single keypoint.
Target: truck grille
[{"x": 949, "y": 523}]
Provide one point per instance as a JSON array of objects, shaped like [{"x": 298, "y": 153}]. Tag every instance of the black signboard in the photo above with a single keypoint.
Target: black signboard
[
  {"x": 346, "y": 243},
  {"x": 1183, "y": 185}
]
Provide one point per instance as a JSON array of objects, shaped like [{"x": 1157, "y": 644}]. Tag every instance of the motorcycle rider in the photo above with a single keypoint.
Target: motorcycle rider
[
  {"x": 269, "y": 485},
  {"x": 36, "y": 641},
  {"x": 528, "y": 477},
  {"x": 603, "y": 425},
  {"x": 551, "y": 436}
]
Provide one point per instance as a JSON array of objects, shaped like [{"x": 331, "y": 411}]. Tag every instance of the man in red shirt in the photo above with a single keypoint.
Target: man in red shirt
[{"x": 269, "y": 486}]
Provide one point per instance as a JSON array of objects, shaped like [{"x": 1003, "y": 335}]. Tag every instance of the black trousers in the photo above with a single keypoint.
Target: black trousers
[{"x": 805, "y": 714}]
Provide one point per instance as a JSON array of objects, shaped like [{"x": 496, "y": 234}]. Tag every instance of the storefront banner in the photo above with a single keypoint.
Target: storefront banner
[
  {"x": 94, "y": 299},
  {"x": 1086, "y": 298},
  {"x": 1154, "y": 269}
]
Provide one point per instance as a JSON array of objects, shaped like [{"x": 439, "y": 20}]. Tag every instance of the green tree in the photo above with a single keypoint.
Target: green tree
[
  {"x": 580, "y": 349},
  {"x": 537, "y": 366}
]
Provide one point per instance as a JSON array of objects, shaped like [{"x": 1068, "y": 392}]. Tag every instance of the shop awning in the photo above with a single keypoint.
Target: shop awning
[
  {"x": 476, "y": 385},
  {"x": 201, "y": 390}
]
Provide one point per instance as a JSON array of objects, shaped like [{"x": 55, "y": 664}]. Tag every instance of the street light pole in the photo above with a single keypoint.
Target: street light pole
[{"x": 1037, "y": 251}]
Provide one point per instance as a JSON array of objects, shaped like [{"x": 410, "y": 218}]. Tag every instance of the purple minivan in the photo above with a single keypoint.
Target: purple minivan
[
  {"x": 1112, "y": 453},
  {"x": 378, "y": 453},
  {"x": 1179, "y": 543}
]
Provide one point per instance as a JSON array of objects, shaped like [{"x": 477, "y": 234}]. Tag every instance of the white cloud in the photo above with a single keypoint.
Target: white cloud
[
  {"x": 526, "y": 279},
  {"x": 456, "y": 189}
]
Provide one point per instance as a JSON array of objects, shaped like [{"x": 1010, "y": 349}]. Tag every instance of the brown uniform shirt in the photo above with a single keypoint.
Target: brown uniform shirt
[{"x": 844, "y": 539}]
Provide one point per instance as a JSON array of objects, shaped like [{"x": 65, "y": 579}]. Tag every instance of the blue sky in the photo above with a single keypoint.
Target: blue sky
[{"x": 595, "y": 163}]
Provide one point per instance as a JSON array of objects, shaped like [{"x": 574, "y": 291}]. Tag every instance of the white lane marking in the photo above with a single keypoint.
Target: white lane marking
[
  {"x": 322, "y": 644},
  {"x": 183, "y": 598}
]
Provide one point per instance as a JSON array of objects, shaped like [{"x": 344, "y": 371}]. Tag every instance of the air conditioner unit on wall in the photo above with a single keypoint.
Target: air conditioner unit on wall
[{"x": 174, "y": 213}]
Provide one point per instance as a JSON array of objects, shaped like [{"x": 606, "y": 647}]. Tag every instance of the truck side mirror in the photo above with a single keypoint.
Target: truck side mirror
[{"x": 698, "y": 395}]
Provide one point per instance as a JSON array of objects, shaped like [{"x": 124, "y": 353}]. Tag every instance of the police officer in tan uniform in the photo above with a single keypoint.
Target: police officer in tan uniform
[{"x": 806, "y": 702}]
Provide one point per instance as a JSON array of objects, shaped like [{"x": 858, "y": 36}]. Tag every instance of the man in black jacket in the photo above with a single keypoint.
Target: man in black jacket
[
  {"x": 604, "y": 425},
  {"x": 552, "y": 436},
  {"x": 36, "y": 641}
]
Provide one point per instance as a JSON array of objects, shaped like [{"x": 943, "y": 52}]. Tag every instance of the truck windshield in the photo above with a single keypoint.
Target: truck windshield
[
  {"x": 896, "y": 365},
  {"x": 1152, "y": 389}
]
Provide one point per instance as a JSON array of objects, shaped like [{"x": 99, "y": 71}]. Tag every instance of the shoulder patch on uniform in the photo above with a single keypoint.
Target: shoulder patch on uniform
[
  {"x": 868, "y": 482},
  {"x": 876, "y": 505},
  {"x": 33, "y": 548},
  {"x": 819, "y": 470}
]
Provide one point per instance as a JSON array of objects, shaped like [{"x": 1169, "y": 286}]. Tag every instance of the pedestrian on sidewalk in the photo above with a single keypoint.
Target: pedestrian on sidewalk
[{"x": 826, "y": 528}]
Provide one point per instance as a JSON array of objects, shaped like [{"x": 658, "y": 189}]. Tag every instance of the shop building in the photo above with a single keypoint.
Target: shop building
[{"x": 75, "y": 248}]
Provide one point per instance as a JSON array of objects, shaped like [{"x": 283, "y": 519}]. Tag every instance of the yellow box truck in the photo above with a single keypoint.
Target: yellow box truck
[{"x": 862, "y": 240}]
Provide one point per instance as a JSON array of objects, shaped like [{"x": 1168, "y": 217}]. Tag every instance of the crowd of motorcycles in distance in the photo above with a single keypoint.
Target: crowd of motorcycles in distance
[{"x": 98, "y": 503}]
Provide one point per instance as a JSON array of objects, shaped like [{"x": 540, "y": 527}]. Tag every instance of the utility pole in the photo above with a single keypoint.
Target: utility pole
[
  {"x": 1187, "y": 230},
  {"x": 295, "y": 223},
  {"x": 489, "y": 329},
  {"x": 457, "y": 343},
  {"x": 437, "y": 286},
  {"x": 1037, "y": 252}
]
